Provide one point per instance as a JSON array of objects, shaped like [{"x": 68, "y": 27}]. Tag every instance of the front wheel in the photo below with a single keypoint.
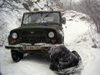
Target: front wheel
[{"x": 16, "y": 56}]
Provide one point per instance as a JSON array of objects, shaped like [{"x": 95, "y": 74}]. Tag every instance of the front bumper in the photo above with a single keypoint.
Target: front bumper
[{"x": 30, "y": 47}]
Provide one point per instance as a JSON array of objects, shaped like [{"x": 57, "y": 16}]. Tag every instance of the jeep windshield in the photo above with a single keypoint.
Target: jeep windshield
[{"x": 38, "y": 18}]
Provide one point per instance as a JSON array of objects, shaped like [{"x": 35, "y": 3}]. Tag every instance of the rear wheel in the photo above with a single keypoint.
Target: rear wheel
[{"x": 16, "y": 56}]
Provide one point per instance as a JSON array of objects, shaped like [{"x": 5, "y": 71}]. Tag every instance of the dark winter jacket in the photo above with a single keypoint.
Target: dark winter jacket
[{"x": 62, "y": 58}]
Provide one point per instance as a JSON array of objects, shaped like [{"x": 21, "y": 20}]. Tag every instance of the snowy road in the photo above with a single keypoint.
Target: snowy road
[
  {"x": 28, "y": 66},
  {"x": 93, "y": 67}
]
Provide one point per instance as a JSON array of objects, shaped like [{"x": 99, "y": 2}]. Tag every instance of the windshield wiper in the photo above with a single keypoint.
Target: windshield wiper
[{"x": 43, "y": 16}]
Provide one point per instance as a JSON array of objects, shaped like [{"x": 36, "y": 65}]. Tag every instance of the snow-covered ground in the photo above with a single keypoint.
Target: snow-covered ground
[
  {"x": 78, "y": 36},
  {"x": 28, "y": 66}
]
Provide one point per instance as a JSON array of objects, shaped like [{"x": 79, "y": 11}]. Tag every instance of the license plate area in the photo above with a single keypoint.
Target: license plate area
[{"x": 32, "y": 48}]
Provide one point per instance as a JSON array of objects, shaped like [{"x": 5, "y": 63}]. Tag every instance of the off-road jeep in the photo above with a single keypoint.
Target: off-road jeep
[{"x": 39, "y": 31}]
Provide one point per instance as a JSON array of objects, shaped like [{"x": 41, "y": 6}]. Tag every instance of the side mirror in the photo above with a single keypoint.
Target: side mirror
[{"x": 63, "y": 21}]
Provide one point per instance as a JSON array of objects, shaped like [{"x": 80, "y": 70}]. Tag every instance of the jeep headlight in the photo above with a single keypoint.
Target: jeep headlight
[
  {"x": 14, "y": 35},
  {"x": 51, "y": 34}
]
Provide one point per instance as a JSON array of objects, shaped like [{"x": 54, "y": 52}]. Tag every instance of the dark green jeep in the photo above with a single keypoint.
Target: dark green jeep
[{"x": 39, "y": 31}]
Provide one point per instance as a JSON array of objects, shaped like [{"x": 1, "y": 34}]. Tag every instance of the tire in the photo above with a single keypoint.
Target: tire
[{"x": 16, "y": 56}]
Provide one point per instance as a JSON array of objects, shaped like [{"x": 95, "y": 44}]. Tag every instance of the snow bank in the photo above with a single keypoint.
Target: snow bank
[
  {"x": 89, "y": 7},
  {"x": 79, "y": 34},
  {"x": 9, "y": 19},
  {"x": 76, "y": 26}
]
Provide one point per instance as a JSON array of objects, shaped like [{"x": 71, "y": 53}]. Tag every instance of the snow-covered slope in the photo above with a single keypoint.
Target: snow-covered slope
[
  {"x": 9, "y": 19},
  {"x": 89, "y": 7},
  {"x": 11, "y": 12},
  {"x": 77, "y": 33},
  {"x": 80, "y": 35}
]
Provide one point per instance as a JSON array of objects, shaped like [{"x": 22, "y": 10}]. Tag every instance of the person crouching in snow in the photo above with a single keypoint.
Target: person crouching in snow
[{"x": 62, "y": 58}]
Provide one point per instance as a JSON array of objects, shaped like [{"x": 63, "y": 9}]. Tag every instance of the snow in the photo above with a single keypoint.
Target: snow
[
  {"x": 28, "y": 66},
  {"x": 89, "y": 7},
  {"x": 93, "y": 67},
  {"x": 77, "y": 37},
  {"x": 80, "y": 35}
]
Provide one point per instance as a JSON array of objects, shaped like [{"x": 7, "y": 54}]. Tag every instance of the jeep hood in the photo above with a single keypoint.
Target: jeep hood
[{"x": 42, "y": 27}]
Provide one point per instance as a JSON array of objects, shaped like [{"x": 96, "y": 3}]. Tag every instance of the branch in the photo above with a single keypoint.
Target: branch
[{"x": 2, "y": 4}]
